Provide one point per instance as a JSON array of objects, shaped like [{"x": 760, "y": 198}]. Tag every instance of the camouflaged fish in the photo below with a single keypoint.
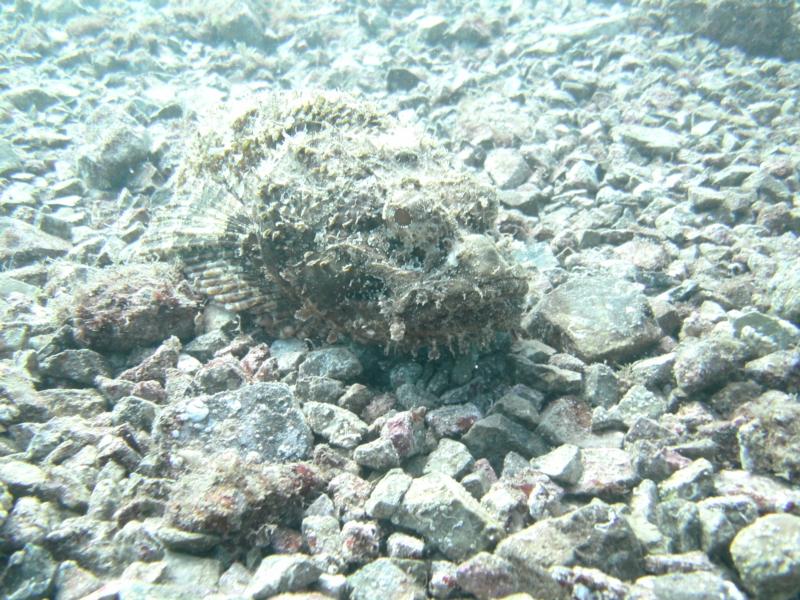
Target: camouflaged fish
[{"x": 317, "y": 212}]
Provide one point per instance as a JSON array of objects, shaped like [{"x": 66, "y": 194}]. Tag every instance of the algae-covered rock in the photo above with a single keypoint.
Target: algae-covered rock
[{"x": 319, "y": 212}]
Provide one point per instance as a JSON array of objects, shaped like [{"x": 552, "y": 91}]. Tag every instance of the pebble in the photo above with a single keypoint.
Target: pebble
[{"x": 280, "y": 573}]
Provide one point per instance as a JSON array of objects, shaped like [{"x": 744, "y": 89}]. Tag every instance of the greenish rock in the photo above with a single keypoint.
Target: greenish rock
[
  {"x": 85, "y": 402},
  {"x": 28, "y": 575},
  {"x": 785, "y": 290},
  {"x": 597, "y": 318},
  {"x": 637, "y": 402},
  {"x": 767, "y": 556},
  {"x": 387, "y": 494},
  {"x": 452, "y": 458},
  {"x": 439, "y": 509},
  {"x": 701, "y": 364},
  {"x": 780, "y": 370},
  {"x": 22, "y": 478},
  {"x": 563, "y": 464},
  {"x": 655, "y": 140},
  {"x": 765, "y": 333}
]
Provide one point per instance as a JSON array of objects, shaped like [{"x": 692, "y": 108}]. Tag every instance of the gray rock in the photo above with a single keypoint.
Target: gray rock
[
  {"x": 637, "y": 402},
  {"x": 360, "y": 542},
  {"x": 494, "y": 436},
  {"x": 288, "y": 353},
  {"x": 72, "y": 582},
  {"x": 23, "y": 244},
  {"x": 137, "y": 541},
  {"x": 261, "y": 418},
  {"x": 28, "y": 574},
  {"x": 506, "y": 503},
  {"x": 567, "y": 420},
  {"x": 383, "y": 579},
  {"x": 379, "y": 455},
  {"x": 318, "y": 389},
  {"x": 652, "y": 140},
  {"x": 118, "y": 147},
  {"x": 450, "y": 458},
  {"x": 442, "y": 582},
  {"x": 22, "y": 478},
  {"x": 685, "y": 586},
  {"x": 769, "y": 441},
  {"x": 721, "y": 518},
  {"x": 229, "y": 497},
  {"x": 452, "y": 421},
  {"x": 605, "y": 472},
  {"x": 337, "y": 425},
  {"x": 563, "y": 464},
  {"x": 406, "y": 431},
  {"x": 769, "y": 494},
  {"x": 777, "y": 370},
  {"x": 693, "y": 482},
  {"x": 321, "y": 534},
  {"x": 596, "y": 317},
  {"x": 434, "y": 504},
  {"x": 401, "y": 545},
  {"x": 29, "y": 522},
  {"x": 135, "y": 411},
  {"x": 76, "y": 366},
  {"x": 9, "y": 159},
  {"x": 544, "y": 499},
  {"x": 767, "y": 556},
  {"x": 704, "y": 363},
  {"x": 551, "y": 379},
  {"x": 178, "y": 540},
  {"x": 600, "y": 385},
  {"x": 488, "y": 576},
  {"x": 185, "y": 570},
  {"x": 679, "y": 521},
  {"x": 764, "y": 333},
  {"x": 350, "y": 494},
  {"x": 387, "y": 495},
  {"x": 74, "y": 402},
  {"x": 415, "y": 395},
  {"x": 507, "y": 168},
  {"x": 280, "y": 573},
  {"x": 337, "y": 363},
  {"x": 785, "y": 290},
  {"x": 594, "y": 535}
]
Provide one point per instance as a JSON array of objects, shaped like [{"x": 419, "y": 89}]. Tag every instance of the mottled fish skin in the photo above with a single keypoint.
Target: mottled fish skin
[{"x": 318, "y": 210}]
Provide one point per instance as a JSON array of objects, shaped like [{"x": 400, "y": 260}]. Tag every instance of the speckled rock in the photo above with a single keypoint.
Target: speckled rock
[
  {"x": 432, "y": 505},
  {"x": 767, "y": 556},
  {"x": 279, "y": 573},
  {"x": 261, "y": 419},
  {"x": 596, "y": 317},
  {"x": 383, "y": 579}
]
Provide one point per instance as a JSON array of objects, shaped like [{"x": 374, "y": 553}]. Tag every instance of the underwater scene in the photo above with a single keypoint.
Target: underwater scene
[{"x": 400, "y": 299}]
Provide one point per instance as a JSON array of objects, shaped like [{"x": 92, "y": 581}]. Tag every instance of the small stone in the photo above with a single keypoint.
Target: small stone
[
  {"x": 360, "y": 542},
  {"x": 721, "y": 518},
  {"x": 387, "y": 495},
  {"x": 433, "y": 502},
  {"x": 350, "y": 494},
  {"x": 488, "y": 576},
  {"x": 562, "y": 464},
  {"x": 705, "y": 363},
  {"x": 23, "y": 244},
  {"x": 77, "y": 366},
  {"x": 29, "y": 574},
  {"x": 450, "y": 457},
  {"x": 318, "y": 389},
  {"x": 280, "y": 573},
  {"x": 9, "y": 159},
  {"x": 767, "y": 556},
  {"x": 443, "y": 579},
  {"x": 506, "y": 503},
  {"x": 567, "y": 420},
  {"x": 655, "y": 140},
  {"x": 606, "y": 472},
  {"x": 336, "y": 362},
  {"x": 118, "y": 147},
  {"x": 74, "y": 402},
  {"x": 685, "y": 586},
  {"x": 507, "y": 168},
  {"x": 22, "y": 478},
  {"x": 383, "y": 579},
  {"x": 135, "y": 411},
  {"x": 321, "y": 535},
  {"x": 72, "y": 582},
  {"x": 600, "y": 386},
  {"x": 769, "y": 441},
  {"x": 769, "y": 494},
  {"x": 637, "y": 402},
  {"x": 777, "y": 370},
  {"x": 596, "y": 317},
  {"x": 29, "y": 522},
  {"x": 336, "y": 425},
  {"x": 576, "y": 539},
  {"x": 544, "y": 499},
  {"x": 452, "y": 421},
  {"x": 406, "y": 431},
  {"x": 494, "y": 436},
  {"x": 401, "y": 79},
  {"x": 400, "y": 545},
  {"x": 262, "y": 418},
  {"x": 379, "y": 455},
  {"x": 693, "y": 482}
]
